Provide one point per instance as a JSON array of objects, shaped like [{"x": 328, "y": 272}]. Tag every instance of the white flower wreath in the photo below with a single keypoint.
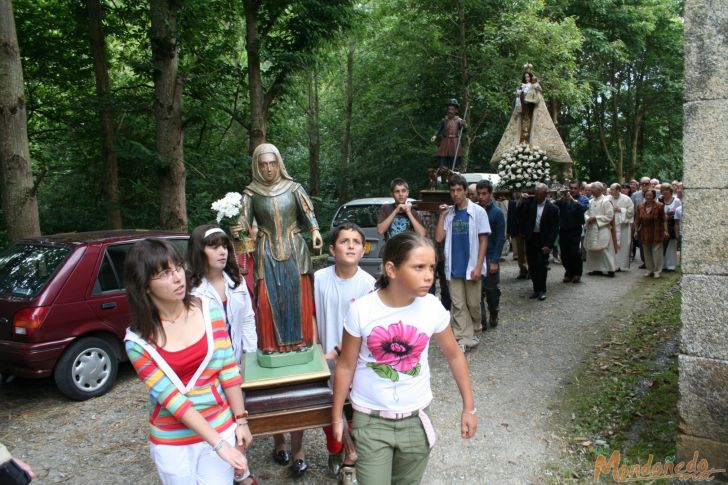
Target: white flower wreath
[{"x": 523, "y": 166}]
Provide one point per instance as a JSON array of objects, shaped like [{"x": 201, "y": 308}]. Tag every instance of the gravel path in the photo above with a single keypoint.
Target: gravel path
[{"x": 518, "y": 372}]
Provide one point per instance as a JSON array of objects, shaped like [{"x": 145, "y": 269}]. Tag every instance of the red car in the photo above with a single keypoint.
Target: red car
[{"x": 63, "y": 307}]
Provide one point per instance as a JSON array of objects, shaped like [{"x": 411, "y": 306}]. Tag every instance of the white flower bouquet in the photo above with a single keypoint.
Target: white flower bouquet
[
  {"x": 522, "y": 166},
  {"x": 229, "y": 208}
]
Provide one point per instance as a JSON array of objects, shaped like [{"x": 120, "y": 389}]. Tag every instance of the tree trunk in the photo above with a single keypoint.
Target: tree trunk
[
  {"x": 636, "y": 136},
  {"x": 465, "y": 78},
  {"x": 616, "y": 128},
  {"x": 258, "y": 118},
  {"x": 169, "y": 133},
  {"x": 19, "y": 203},
  {"x": 108, "y": 131},
  {"x": 314, "y": 134},
  {"x": 344, "y": 177},
  {"x": 636, "y": 123},
  {"x": 599, "y": 120}
]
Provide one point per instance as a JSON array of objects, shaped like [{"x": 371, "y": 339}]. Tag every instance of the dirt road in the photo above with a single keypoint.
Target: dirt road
[{"x": 518, "y": 372}]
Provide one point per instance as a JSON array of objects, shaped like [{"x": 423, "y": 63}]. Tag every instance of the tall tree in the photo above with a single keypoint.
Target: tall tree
[
  {"x": 259, "y": 99},
  {"x": 19, "y": 202},
  {"x": 108, "y": 130},
  {"x": 287, "y": 32},
  {"x": 632, "y": 60},
  {"x": 344, "y": 184},
  {"x": 464, "y": 80},
  {"x": 169, "y": 133},
  {"x": 314, "y": 133}
]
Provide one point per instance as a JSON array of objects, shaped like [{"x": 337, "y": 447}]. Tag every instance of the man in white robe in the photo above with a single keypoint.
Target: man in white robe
[
  {"x": 623, "y": 216},
  {"x": 598, "y": 233}
]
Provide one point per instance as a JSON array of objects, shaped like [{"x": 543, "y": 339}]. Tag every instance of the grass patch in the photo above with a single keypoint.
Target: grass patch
[{"x": 625, "y": 396}]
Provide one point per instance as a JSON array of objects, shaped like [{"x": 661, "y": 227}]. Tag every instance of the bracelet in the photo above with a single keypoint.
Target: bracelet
[
  {"x": 475, "y": 410},
  {"x": 242, "y": 415},
  {"x": 217, "y": 447},
  {"x": 339, "y": 421},
  {"x": 244, "y": 423},
  {"x": 337, "y": 350}
]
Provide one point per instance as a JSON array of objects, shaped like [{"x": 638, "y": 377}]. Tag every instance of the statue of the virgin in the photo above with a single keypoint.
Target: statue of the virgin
[{"x": 531, "y": 123}]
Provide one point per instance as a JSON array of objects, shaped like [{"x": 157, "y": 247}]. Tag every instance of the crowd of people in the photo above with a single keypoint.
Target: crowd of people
[
  {"x": 588, "y": 227},
  {"x": 194, "y": 317}
]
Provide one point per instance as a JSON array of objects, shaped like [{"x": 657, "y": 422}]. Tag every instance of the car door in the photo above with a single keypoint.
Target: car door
[{"x": 108, "y": 297}]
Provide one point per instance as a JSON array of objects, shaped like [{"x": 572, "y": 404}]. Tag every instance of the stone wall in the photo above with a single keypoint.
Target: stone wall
[{"x": 703, "y": 404}]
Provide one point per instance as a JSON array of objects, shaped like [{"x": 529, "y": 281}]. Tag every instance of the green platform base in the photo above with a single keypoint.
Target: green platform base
[
  {"x": 285, "y": 359},
  {"x": 255, "y": 375}
]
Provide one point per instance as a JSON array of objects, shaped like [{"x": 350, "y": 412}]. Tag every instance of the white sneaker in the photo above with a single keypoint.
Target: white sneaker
[{"x": 347, "y": 475}]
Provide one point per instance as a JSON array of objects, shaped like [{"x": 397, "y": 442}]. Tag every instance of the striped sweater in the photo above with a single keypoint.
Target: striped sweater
[{"x": 169, "y": 398}]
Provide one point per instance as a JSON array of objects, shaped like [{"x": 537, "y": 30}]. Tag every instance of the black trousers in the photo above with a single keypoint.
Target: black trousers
[
  {"x": 537, "y": 263},
  {"x": 571, "y": 253},
  {"x": 490, "y": 294},
  {"x": 444, "y": 288}
]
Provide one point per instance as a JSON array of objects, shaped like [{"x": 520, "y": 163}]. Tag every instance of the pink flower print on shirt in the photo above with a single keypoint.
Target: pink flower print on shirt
[{"x": 396, "y": 348}]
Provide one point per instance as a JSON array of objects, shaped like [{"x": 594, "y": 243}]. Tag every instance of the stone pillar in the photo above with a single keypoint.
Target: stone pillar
[{"x": 703, "y": 404}]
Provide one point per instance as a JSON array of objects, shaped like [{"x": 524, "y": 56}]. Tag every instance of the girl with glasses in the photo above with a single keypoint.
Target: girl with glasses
[{"x": 180, "y": 349}]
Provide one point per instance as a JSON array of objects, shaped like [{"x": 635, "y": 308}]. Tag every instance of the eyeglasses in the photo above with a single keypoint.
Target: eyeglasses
[{"x": 168, "y": 273}]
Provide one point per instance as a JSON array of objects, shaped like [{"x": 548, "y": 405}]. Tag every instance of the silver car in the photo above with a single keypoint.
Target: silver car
[{"x": 364, "y": 213}]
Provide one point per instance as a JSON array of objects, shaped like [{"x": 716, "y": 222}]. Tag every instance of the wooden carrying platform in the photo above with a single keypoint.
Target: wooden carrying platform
[
  {"x": 431, "y": 199},
  {"x": 300, "y": 400}
]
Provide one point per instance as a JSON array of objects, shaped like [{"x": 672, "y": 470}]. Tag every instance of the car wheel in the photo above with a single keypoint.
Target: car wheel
[{"x": 86, "y": 369}]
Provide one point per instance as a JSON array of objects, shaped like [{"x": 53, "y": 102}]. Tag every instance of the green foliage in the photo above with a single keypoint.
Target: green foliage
[
  {"x": 408, "y": 61},
  {"x": 632, "y": 61}
]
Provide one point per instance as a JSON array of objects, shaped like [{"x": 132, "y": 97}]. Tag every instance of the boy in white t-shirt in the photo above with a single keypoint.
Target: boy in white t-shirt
[{"x": 334, "y": 288}]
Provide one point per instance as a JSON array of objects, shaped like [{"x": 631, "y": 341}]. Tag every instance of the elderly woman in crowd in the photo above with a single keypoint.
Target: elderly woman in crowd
[
  {"x": 672, "y": 206},
  {"x": 651, "y": 227},
  {"x": 679, "y": 191}
]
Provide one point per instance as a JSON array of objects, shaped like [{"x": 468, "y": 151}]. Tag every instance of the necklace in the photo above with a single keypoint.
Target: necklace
[{"x": 172, "y": 320}]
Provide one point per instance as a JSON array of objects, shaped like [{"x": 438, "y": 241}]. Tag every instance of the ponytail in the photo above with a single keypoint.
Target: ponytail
[
  {"x": 383, "y": 280},
  {"x": 397, "y": 251}
]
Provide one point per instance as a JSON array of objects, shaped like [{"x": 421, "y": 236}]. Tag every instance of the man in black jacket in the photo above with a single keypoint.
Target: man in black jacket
[
  {"x": 572, "y": 207},
  {"x": 539, "y": 227}
]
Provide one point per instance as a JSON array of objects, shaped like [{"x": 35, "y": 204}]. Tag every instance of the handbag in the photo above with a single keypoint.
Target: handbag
[{"x": 595, "y": 239}]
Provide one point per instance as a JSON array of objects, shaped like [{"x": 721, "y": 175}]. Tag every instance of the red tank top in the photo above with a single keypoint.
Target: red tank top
[{"x": 185, "y": 362}]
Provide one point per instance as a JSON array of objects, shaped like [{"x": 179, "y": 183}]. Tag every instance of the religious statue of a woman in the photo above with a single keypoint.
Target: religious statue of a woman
[
  {"x": 282, "y": 269},
  {"x": 531, "y": 123},
  {"x": 527, "y": 98}
]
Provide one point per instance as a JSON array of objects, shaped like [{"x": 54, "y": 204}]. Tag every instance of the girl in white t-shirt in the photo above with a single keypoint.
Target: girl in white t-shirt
[
  {"x": 215, "y": 276},
  {"x": 384, "y": 362}
]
